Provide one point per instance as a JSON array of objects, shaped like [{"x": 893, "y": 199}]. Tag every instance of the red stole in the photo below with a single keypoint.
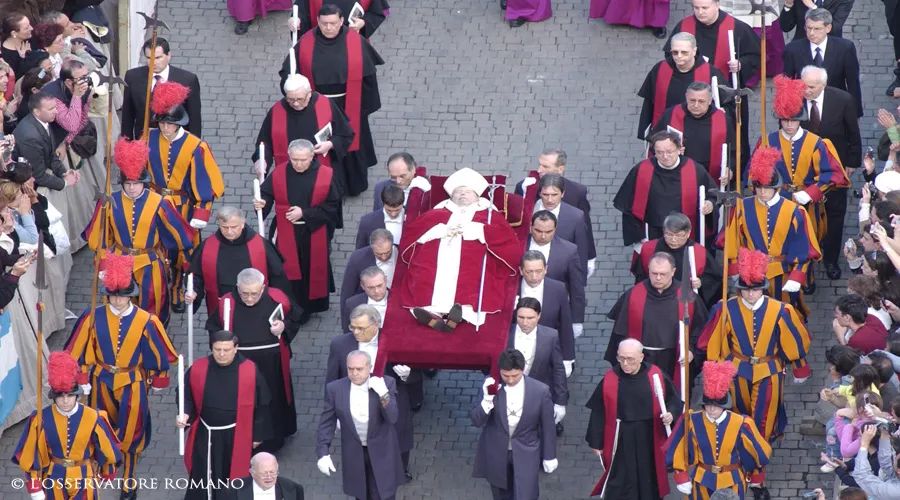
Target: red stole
[
  {"x": 287, "y": 243},
  {"x": 664, "y": 79},
  {"x": 353, "y": 99},
  {"x": 243, "y": 431},
  {"x": 720, "y": 61},
  {"x": 718, "y": 135},
  {"x": 611, "y": 411},
  {"x": 689, "y": 192},
  {"x": 315, "y": 5},
  {"x": 279, "y": 128},
  {"x": 255, "y": 247},
  {"x": 649, "y": 248}
]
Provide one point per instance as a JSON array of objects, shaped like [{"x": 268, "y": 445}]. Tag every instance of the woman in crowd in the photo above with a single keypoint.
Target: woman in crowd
[
  {"x": 32, "y": 83},
  {"x": 869, "y": 289},
  {"x": 7, "y": 107},
  {"x": 47, "y": 39},
  {"x": 16, "y": 31}
]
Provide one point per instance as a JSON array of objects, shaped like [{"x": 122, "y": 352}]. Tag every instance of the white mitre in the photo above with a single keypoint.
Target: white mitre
[{"x": 466, "y": 177}]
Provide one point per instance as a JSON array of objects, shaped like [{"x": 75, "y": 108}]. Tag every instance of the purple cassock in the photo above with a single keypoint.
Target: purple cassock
[
  {"x": 247, "y": 10},
  {"x": 637, "y": 13},
  {"x": 530, "y": 10}
]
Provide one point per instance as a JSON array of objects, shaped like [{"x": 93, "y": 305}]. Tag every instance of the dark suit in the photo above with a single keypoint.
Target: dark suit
[
  {"x": 136, "y": 93},
  {"x": 565, "y": 265},
  {"x": 839, "y": 124},
  {"x": 556, "y": 313},
  {"x": 341, "y": 346},
  {"x": 367, "y": 224},
  {"x": 571, "y": 227},
  {"x": 839, "y": 61},
  {"x": 548, "y": 362},
  {"x": 359, "y": 260},
  {"x": 358, "y": 470},
  {"x": 575, "y": 195},
  {"x": 352, "y": 302},
  {"x": 285, "y": 489},
  {"x": 533, "y": 442},
  {"x": 378, "y": 205},
  {"x": 795, "y": 17},
  {"x": 35, "y": 144}
]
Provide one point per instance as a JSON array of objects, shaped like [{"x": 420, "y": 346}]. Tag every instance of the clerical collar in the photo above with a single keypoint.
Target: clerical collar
[
  {"x": 240, "y": 240},
  {"x": 753, "y": 307},
  {"x": 124, "y": 313},
  {"x": 69, "y": 413},
  {"x": 716, "y": 21},
  {"x": 794, "y": 138},
  {"x": 673, "y": 167},
  {"x": 716, "y": 421},
  {"x": 258, "y": 491}
]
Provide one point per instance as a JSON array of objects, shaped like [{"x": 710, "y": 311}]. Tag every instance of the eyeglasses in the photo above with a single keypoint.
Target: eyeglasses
[
  {"x": 268, "y": 473},
  {"x": 297, "y": 100},
  {"x": 360, "y": 328},
  {"x": 250, "y": 295},
  {"x": 673, "y": 152},
  {"x": 623, "y": 359}
]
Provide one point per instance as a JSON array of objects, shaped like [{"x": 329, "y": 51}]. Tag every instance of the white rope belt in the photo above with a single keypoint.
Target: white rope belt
[
  {"x": 332, "y": 96},
  {"x": 209, "y": 494},
  {"x": 656, "y": 348},
  {"x": 258, "y": 347}
]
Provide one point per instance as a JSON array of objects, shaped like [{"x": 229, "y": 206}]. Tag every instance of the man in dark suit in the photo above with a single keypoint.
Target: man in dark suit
[
  {"x": 517, "y": 432},
  {"x": 543, "y": 357},
  {"x": 832, "y": 115},
  {"x": 563, "y": 263},
  {"x": 402, "y": 169},
  {"x": 136, "y": 91},
  {"x": 793, "y": 15},
  {"x": 375, "y": 293},
  {"x": 262, "y": 480},
  {"x": 380, "y": 252},
  {"x": 553, "y": 297},
  {"x": 366, "y": 408},
  {"x": 836, "y": 55},
  {"x": 390, "y": 214},
  {"x": 36, "y": 143},
  {"x": 571, "y": 226}
]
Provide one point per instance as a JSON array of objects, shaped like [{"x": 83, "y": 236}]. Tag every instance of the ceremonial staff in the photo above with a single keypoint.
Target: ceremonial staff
[
  {"x": 40, "y": 282},
  {"x": 685, "y": 298},
  {"x": 762, "y": 78},
  {"x": 491, "y": 187},
  {"x": 154, "y": 23}
]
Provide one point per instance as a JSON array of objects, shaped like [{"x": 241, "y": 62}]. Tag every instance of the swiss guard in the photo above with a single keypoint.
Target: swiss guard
[
  {"x": 183, "y": 171},
  {"x": 142, "y": 224},
  {"x": 67, "y": 440},
  {"x": 123, "y": 352}
]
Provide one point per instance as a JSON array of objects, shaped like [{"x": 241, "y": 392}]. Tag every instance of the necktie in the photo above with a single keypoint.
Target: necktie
[
  {"x": 815, "y": 119},
  {"x": 818, "y": 59}
]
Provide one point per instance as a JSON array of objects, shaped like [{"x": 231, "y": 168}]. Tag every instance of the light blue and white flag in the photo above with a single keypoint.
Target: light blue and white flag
[{"x": 10, "y": 374}]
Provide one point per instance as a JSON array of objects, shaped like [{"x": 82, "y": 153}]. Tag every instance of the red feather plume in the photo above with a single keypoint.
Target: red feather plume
[
  {"x": 788, "y": 96},
  {"x": 62, "y": 370},
  {"x": 717, "y": 378},
  {"x": 131, "y": 157},
  {"x": 117, "y": 271},
  {"x": 167, "y": 95},
  {"x": 762, "y": 164},
  {"x": 752, "y": 265}
]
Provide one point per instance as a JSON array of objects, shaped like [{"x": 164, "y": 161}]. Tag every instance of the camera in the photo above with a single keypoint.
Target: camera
[
  {"x": 858, "y": 193},
  {"x": 810, "y": 494},
  {"x": 87, "y": 79}
]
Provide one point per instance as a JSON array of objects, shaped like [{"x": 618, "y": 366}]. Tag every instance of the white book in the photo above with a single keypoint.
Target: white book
[
  {"x": 356, "y": 12},
  {"x": 324, "y": 134},
  {"x": 677, "y": 132},
  {"x": 277, "y": 315}
]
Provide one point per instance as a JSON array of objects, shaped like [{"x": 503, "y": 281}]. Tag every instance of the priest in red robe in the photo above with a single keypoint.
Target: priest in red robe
[{"x": 446, "y": 249}]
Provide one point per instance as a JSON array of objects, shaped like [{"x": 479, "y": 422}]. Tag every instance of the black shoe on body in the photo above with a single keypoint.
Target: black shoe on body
[
  {"x": 408, "y": 476},
  {"x": 559, "y": 429},
  {"x": 178, "y": 308},
  {"x": 416, "y": 407},
  {"x": 241, "y": 27},
  {"x": 833, "y": 271},
  {"x": 660, "y": 33},
  {"x": 893, "y": 86},
  {"x": 515, "y": 23},
  {"x": 431, "y": 373},
  {"x": 809, "y": 289}
]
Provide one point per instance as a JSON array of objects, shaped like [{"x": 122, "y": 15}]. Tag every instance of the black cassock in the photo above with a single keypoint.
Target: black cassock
[
  {"x": 634, "y": 476},
  {"x": 373, "y": 17},
  {"x": 251, "y": 325},
  {"x": 710, "y": 280},
  {"x": 220, "y": 396},
  {"x": 664, "y": 198},
  {"x": 329, "y": 71},
  {"x": 675, "y": 92},
  {"x": 300, "y": 190},
  {"x": 697, "y": 134},
  {"x": 234, "y": 258},
  {"x": 661, "y": 314}
]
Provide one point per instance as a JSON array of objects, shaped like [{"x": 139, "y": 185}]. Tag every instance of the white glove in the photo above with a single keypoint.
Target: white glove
[
  {"x": 800, "y": 380},
  {"x": 578, "y": 328},
  {"x": 38, "y": 495},
  {"x": 86, "y": 389},
  {"x": 590, "y": 268},
  {"x": 802, "y": 197},
  {"x": 637, "y": 246},
  {"x": 421, "y": 183},
  {"x": 157, "y": 389},
  {"x": 402, "y": 371},
  {"x": 325, "y": 465},
  {"x": 198, "y": 224},
  {"x": 559, "y": 413},
  {"x": 685, "y": 488},
  {"x": 569, "y": 364},
  {"x": 790, "y": 286},
  {"x": 550, "y": 465},
  {"x": 377, "y": 384},
  {"x": 755, "y": 485},
  {"x": 484, "y": 389}
]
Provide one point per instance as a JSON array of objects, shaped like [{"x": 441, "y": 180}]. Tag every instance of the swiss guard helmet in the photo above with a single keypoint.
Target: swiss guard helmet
[
  {"x": 789, "y": 102},
  {"x": 118, "y": 276},
  {"x": 62, "y": 375},
  {"x": 762, "y": 168},
  {"x": 717, "y": 378},
  {"x": 168, "y": 103},
  {"x": 752, "y": 265},
  {"x": 132, "y": 157}
]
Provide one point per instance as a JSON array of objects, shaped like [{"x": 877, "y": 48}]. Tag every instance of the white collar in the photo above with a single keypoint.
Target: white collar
[
  {"x": 69, "y": 413},
  {"x": 382, "y": 302},
  {"x": 164, "y": 74},
  {"x": 796, "y": 137},
  {"x": 540, "y": 206},
  {"x": 818, "y": 100},
  {"x": 364, "y": 387},
  {"x": 673, "y": 167},
  {"x": 399, "y": 219},
  {"x": 753, "y": 307},
  {"x": 483, "y": 204},
  {"x": 718, "y": 420},
  {"x": 771, "y": 203},
  {"x": 812, "y": 47},
  {"x": 390, "y": 261},
  {"x": 178, "y": 135},
  {"x": 43, "y": 123},
  {"x": 372, "y": 343},
  {"x": 124, "y": 313},
  {"x": 538, "y": 287},
  {"x": 258, "y": 491},
  {"x": 517, "y": 390},
  {"x": 520, "y": 333},
  {"x": 537, "y": 245}
]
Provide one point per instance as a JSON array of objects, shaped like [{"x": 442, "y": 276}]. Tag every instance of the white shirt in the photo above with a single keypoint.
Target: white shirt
[
  {"x": 752, "y": 307},
  {"x": 544, "y": 249},
  {"x": 261, "y": 494},
  {"x": 381, "y": 307},
  {"x": 796, "y": 137},
  {"x": 359, "y": 409},
  {"x": 539, "y": 205},
  {"x": 813, "y": 47},
  {"x": 124, "y": 313},
  {"x": 718, "y": 420},
  {"x": 370, "y": 347},
  {"x": 772, "y": 202},
  {"x": 819, "y": 103},
  {"x": 388, "y": 266},
  {"x": 395, "y": 226},
  {"x": 883, "y": 316},
  {"x": 45, "y": 125},
  {"x": 69, "y": 413},
  {"x": 163, "y": 77},
  {"x": 526, "y": 343},
  {"x": 515, "y": 403},
  {"x": 536, "y": 292}
]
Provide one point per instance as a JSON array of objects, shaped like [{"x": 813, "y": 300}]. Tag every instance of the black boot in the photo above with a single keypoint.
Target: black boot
[
  {"x": 660, "y": 33},
  {"x": 241, "y": 27},
  {"x": 502, "y": 4},
  {"x": 895, "y": 84},
  {"x": 515, "y": 23}
]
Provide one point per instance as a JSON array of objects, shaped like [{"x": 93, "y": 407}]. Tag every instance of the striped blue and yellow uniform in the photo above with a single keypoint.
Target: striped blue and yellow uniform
[
  {"x": 85, "y": 438},
  {"x": 143, "y": 227}
]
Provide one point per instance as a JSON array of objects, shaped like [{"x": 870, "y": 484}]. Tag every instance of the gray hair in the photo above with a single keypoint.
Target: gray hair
[
  {"x": 635, "y": 343},
  {"x": 820, "y": 14},
  {"x": 552, "y": 180},
  {"x": 700, "y": 87},
  {"x": 367, "y": 311},
  {"x": 677, "y": 222},
  {"x": 228, "y": 212},
  {"x": 561, "y": 156},
  {"x": 684, "y": 36},
  {"x": 255, "y": 459},
  {"x": 300, "y": 145},
  {"x": 360, "y": 353},
  {"x": 664, "y": 256},
  {"x": 811, "y": 70},
  {"x": 250, "y": 276},
  {"x": 371, "y": 272},
  {"x": 51, "y": 17},
  {"x": 533, "y": 255},
  {"x": 296, "y": 82},
  {"x": 380, "y": 235}
]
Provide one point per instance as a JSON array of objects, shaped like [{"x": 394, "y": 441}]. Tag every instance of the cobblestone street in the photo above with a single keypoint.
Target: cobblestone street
[{"x": 460, "y": 88}]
